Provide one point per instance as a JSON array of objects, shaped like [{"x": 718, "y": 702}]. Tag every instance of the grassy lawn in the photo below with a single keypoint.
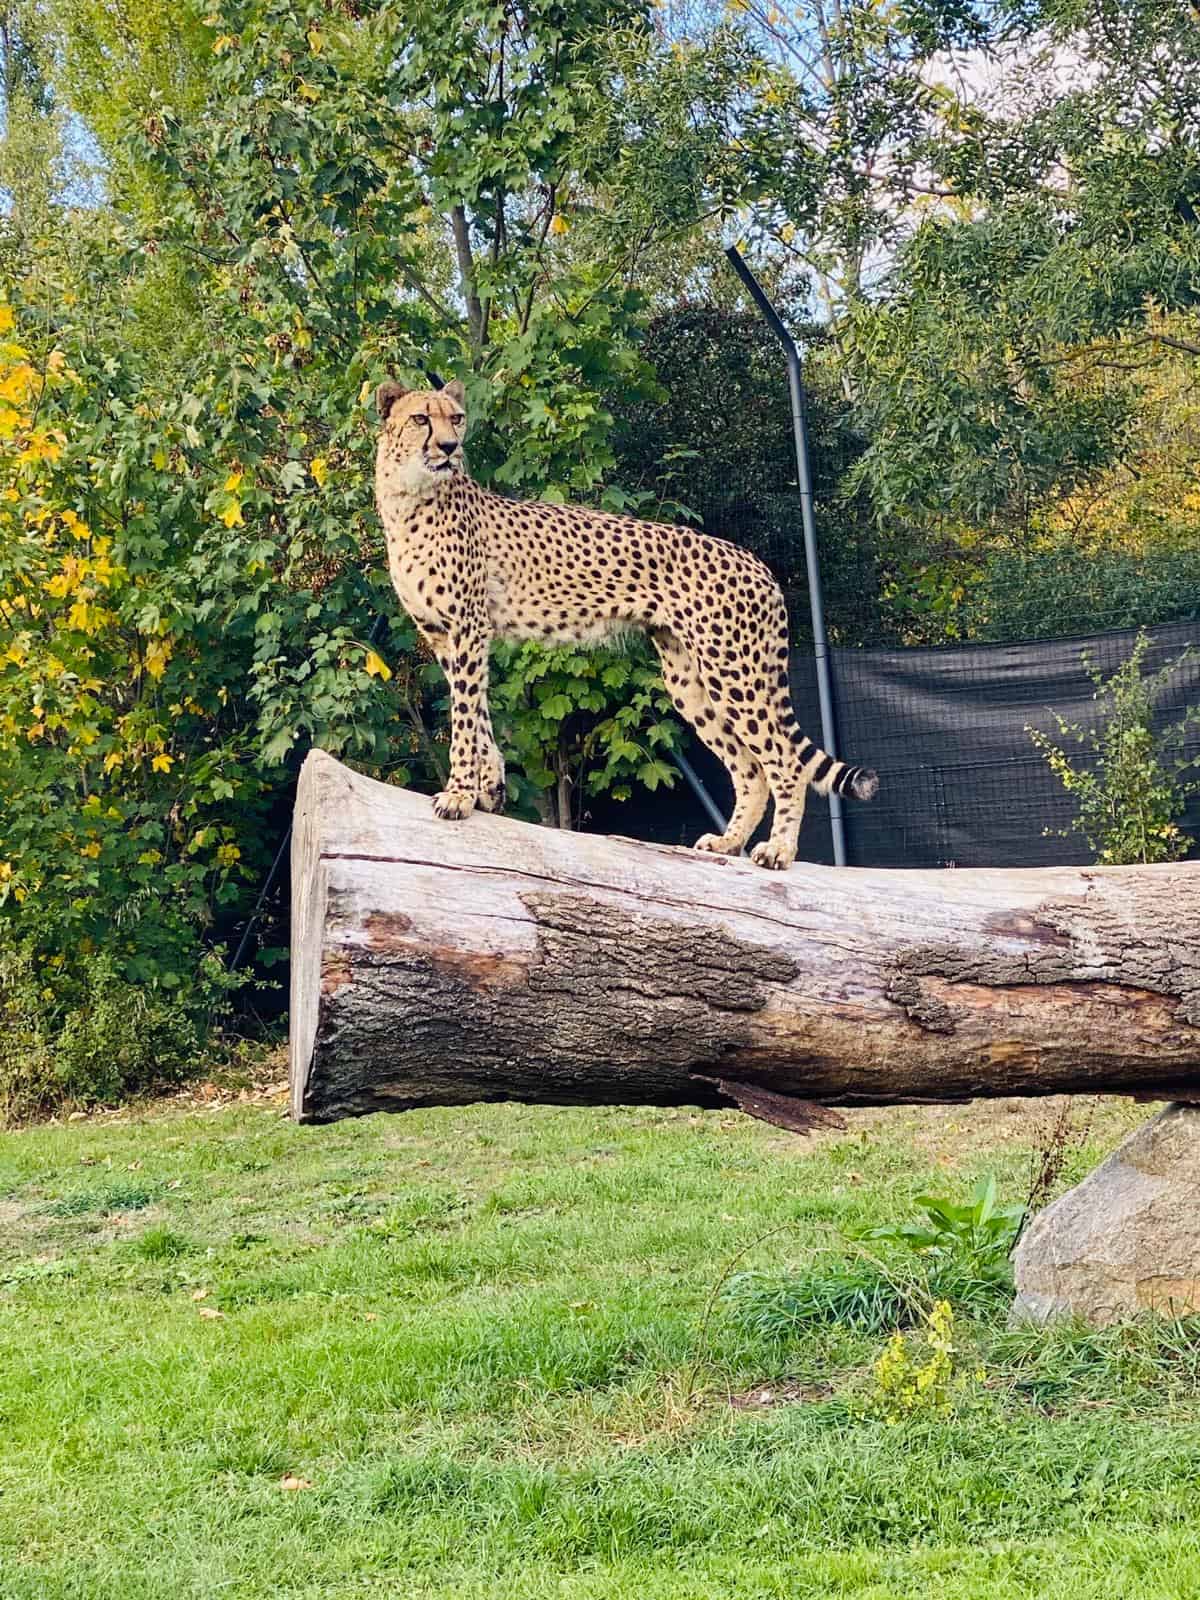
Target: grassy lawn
[{"x": 475, "y": 1343}]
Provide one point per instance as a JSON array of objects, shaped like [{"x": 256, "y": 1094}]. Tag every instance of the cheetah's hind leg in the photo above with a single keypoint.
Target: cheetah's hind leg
[{"x": 693, "y": 702}]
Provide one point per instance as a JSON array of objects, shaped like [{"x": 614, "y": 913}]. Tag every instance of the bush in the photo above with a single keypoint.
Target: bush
[
  {"x": 93, "y": 1038},
  {"x": 1135, "y": 787},
  {"x": 1062, "y": 590}
]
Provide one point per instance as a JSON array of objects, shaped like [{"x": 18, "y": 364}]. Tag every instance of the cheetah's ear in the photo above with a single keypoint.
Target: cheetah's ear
[
  {"x": 456, "y": 392},
  {"x": 386, "y": 396}
]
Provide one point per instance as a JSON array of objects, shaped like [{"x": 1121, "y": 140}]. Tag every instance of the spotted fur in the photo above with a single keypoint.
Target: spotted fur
[{"x": 470, "y": 566}]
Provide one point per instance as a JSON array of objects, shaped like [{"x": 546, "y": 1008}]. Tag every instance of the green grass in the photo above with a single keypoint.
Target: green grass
[{"x": 484, "y": 1338}]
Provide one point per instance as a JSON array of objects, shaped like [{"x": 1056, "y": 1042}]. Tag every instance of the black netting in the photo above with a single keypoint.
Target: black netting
[{"x": 961, "y": 782}]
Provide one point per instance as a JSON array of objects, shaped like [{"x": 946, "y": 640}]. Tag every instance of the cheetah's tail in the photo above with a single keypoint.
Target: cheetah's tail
[{"x": 828, "y": 776}]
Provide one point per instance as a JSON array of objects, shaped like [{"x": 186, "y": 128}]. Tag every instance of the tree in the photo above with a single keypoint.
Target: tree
[{"x": 1005, "y": 378}]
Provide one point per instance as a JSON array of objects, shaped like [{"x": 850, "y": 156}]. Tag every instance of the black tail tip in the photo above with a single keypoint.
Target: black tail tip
[{"x": 865, "y": 784}]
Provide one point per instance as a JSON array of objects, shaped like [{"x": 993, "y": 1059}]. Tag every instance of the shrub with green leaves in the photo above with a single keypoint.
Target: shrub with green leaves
[
  {"x": 90, "y": 1036},
  {"x": 582, "y": 722},
  {"x": 970, "y": 1239},
  {"x": 1135, "y": 787}
]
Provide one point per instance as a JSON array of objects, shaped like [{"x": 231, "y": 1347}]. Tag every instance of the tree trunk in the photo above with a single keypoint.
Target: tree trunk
[{"x": 438, "y": 963}]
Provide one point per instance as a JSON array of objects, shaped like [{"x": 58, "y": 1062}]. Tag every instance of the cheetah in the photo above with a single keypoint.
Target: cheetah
[{"x": 469, "y": 566}]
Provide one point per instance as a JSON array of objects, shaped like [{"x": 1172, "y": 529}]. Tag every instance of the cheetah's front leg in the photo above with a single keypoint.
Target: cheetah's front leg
[{"x": 463, "y": 655}]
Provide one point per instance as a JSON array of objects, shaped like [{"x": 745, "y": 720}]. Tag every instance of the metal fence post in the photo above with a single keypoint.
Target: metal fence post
[{"x": 837, "y": 826}]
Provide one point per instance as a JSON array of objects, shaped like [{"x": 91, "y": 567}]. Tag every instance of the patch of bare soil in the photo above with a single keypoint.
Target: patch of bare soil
[{"x": 787, "y": 1392}]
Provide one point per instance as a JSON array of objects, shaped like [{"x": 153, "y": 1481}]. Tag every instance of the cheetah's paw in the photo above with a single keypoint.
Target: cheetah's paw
[
  {"x": 717, "y": 844},
  {"x": 452, "y": 805},
  {"x": 776, "y": 857},
  {"x": 492, "y": 796}
]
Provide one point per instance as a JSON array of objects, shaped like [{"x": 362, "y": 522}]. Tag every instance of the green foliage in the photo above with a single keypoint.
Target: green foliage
[
  {"x": 971, "y": 1238},
  {"x": 1062, "y": 590},
  {"x": 576, "y": 723},
  {"x": 1134, "y": 786},
  {"x": 89, "y": 1035},
  {"x": 191, "y": 572},
  {"x": 957, "y": 1253}
]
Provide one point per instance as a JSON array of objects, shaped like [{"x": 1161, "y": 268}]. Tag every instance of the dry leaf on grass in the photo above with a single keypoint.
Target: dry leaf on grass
[{"x": 291, "y": 1481}]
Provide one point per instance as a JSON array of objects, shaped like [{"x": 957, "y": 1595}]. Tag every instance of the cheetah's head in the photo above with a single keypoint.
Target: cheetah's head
[{"x": 421, "y": 439}]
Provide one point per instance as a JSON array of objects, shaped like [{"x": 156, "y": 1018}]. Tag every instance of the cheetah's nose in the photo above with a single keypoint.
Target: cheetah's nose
[{"x": 448, "y": 445}]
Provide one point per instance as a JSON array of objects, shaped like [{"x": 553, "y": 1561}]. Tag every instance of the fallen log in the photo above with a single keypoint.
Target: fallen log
[{"x": 438, "y": 963}]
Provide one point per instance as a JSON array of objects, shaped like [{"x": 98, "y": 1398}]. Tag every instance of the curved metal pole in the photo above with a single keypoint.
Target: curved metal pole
[{"x": 754, "y": 289}]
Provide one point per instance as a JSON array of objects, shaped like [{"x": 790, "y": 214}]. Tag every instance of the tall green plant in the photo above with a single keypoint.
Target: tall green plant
[
  {"x": 579, "y": 723},
  {"x": 1134, "y": 789}
]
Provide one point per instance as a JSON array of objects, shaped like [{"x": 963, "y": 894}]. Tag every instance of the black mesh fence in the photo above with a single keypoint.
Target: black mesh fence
[{"x": 961, "y": 781}]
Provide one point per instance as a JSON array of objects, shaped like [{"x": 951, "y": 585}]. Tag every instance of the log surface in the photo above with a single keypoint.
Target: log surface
[{"x": 438, "y": 963}]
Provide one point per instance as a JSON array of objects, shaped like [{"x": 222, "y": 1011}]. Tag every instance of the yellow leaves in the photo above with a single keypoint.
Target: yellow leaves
[
  {"x": 19, "y": 384},
  {"x": 227, "y": 854},
  {"x": 6, "y": 317},
  {"x": 223, "y": 42},
  {"x": 113, "y": 760},
  {"x": 162, "y": 763},
  {"x": 291, "y": 1481},
  {"x": 159, "y": 458},
  {"x": 559, "y": 225},
  {"x": 158, "y": 653},
  {"x": 376, "y": 666},
  {"x": 232, "y": 515},
  {"x": 15, "y": 653},
  {"x": 234, "y": 482},
  {"x": 150, "y": 858},
  {"x": 308, "y": 92},
  {"x": 6, "y": 871},
  {"x": 91, "y": 849},
  {"x": 88, "y": 618},
  {"x": 319, "y": 468},
  {"x": 76, "y": 526},
  {"x": 45, "y": 444},
  {"x": 316, "y": 41}
]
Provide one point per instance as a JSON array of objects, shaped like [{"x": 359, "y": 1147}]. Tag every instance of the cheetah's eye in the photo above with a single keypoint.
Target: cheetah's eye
[
  {"x": 457, "y": 421},
  {"x": 418, "y": 416}
]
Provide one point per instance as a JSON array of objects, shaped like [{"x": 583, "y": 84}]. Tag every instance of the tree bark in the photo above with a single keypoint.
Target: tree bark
[{"x": 438, "y": 963}]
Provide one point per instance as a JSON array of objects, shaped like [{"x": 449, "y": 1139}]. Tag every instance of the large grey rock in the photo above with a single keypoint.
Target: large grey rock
[{"x": 1127, "y": 1239}]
